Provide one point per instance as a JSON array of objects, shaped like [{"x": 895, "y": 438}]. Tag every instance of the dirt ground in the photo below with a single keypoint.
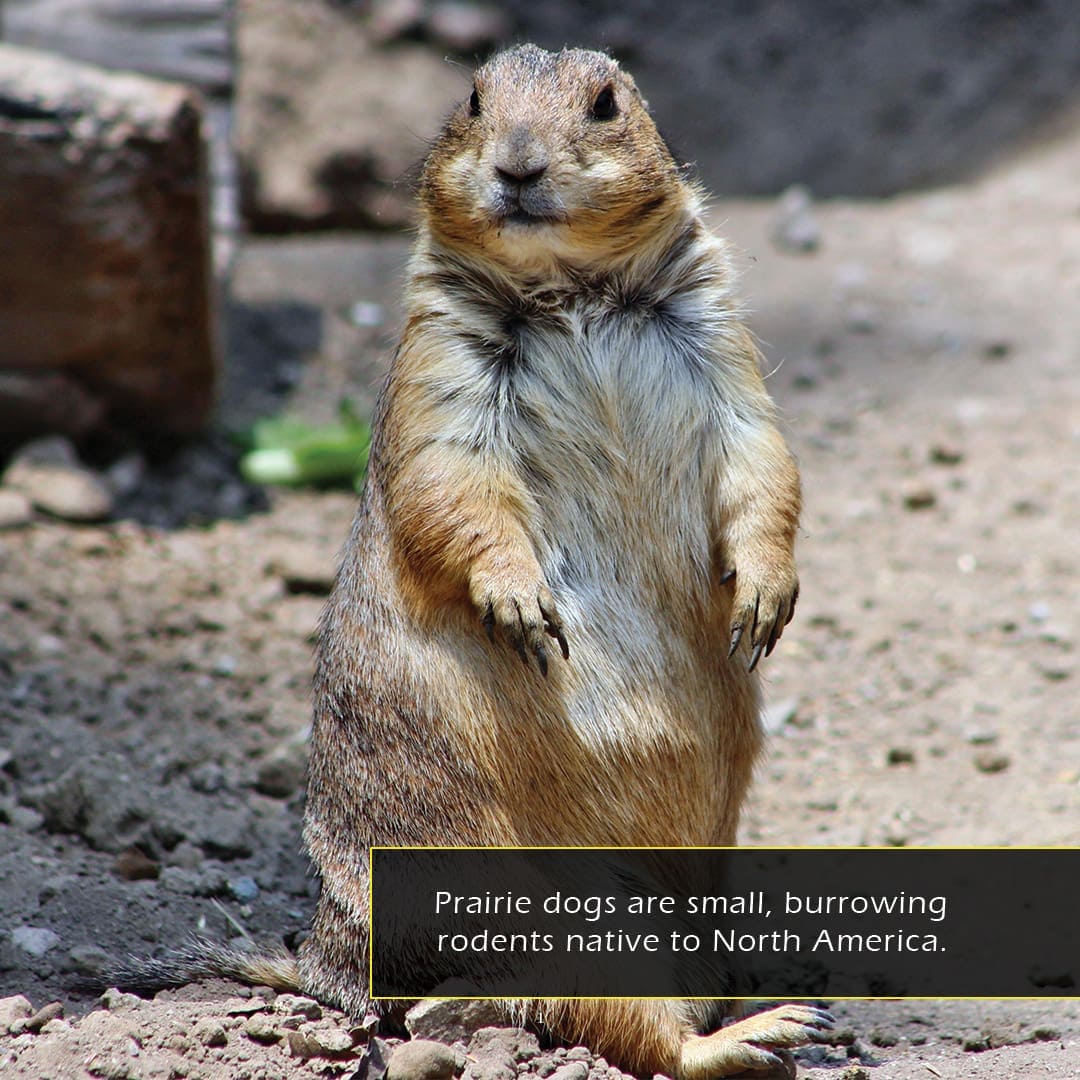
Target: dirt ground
[{"x": 154, "y": 670}]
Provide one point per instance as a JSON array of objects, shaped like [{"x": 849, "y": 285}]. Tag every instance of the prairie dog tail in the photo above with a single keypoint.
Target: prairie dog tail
[{"x": 198, "y": 959}]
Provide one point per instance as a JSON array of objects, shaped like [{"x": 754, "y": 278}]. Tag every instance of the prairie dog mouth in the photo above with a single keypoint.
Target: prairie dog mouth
[{"x": 521, "y": 216}]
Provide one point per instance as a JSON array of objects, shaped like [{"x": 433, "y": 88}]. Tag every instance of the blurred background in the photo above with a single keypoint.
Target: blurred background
[
  {"x": 204, "y": 221},
  {"x": 316, "y": 115}
]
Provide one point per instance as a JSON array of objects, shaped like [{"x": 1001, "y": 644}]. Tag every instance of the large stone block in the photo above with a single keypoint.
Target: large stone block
[
  {"x": 105, "y": 270},
  {"x": 332, "y": 120}
]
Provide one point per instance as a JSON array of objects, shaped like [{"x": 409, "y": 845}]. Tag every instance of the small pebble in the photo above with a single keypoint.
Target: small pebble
[
  {"x": 133, "y": 864},
  {"x": 244, "y": 889},
  {"x": 259, "y": 1028},
  {"x": 283, "y": 771},
  {"x": 12, "y": 1009},
  {"x": 15, "y": 509},
  {"x": 918, "y": 498},
  {"x": 392, "y": 19},
  {"x": 992, "y": 761},
  {"x": 364, "y": 314},
  {"x": 303, "y": 568},
  {"x": 946, "y": 455},
  {"x": 115, "y": 1000},
  {"x": 295, "y": 1005},
  {"x": 794, "y": 227},
  {"x": 52, "y": 1011},
  {"x": 466, "y": 27},
  {"x": 34, "y": 940},
  {"x": 88, "y": 960},
  {"x": 1039, "y": 611},
  {"x": 210, "y": 1033},
  {"x": 301, "y": 1045},
  {"x": 421, "y": 1059},
  {"x": 775, "y": 716},
  {"x": 861, "y": 318},
  {"x": 69, "y": 492},
  {"x": 333, "y": 1041},
  {"x": 572, "y": 1070}
]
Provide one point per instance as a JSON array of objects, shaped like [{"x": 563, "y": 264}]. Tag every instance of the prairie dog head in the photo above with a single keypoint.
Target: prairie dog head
[{"x": 552, "y": 158}]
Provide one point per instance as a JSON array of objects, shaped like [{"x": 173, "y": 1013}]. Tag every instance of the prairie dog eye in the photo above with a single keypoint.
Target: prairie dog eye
[
  {"x": 604, "y": 106},
  {"x": 474, "y": 103}
]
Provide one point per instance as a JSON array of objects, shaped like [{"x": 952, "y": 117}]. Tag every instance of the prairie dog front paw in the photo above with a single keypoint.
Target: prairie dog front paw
[
  {"x": 764, "y": 602},
  {"x": 519, "y": 602}
]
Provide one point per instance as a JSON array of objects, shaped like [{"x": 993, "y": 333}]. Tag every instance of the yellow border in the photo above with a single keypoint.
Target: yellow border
[{"x": 734, "y": 847}]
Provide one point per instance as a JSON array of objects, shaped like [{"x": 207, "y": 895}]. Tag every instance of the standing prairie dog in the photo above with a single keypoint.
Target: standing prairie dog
[{"x": 574, "y": 464}]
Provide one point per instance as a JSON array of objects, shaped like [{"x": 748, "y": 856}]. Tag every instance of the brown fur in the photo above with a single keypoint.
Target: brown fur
[{"x": 574, "y": 463}]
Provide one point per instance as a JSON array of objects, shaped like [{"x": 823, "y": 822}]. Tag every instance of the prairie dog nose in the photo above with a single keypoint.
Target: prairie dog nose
[{"x": 520, "y": 158}]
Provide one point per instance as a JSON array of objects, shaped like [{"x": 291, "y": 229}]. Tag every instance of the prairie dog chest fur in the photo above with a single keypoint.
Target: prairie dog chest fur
[{"x": 609, "y": 397}]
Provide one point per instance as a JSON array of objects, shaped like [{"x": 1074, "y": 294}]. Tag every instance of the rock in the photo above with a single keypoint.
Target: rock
[
  {"x": 303, "y": 568},
  {"x": 572, "y": 1070},
  {"x": 226, "y": 833},
  {"x": 918, "y": 497},
  {"x": 118, "y": 1000},
  {"x": 12, "y": 1009},
  {"x": 1039, "y": 612},
  {"x": 331, "y": 1040},
  {"x": 124, "y": 315},
  {"x": 210, "y": 1033},
  {"x": 421, "y": 1059},
  {"x": 15, "y": 509},
  {"x": 861, "y": 318},
  {"x": 945, "y": 455},
  {"x": 448, "y": 1021},
  {"x": 69, "y": 492},
  {"x": 112, "y": 1066},
  {"x": 133, "y": 864},
  {"x": 794, "y": 226},
  {"x": 284, "y": 770},
  {"x": 390, "y": 20},
  {"x": 991, "y": 761},
  {"x": 26, "y": 818},
  {"x": 126, "y": 474},
  {"x": 296, "y": 1005},
  {"x": 301, "y": 1045},
  {"x": 328, "y": 122},
  {"x": 375, "y": 1062},
  {"x": 98, "y": 799},
  {"x": 43, "y": 1016},
  {"x": 88, "y": 960},
  {"x": 261, "y": 1029},
  {"x": 244, "y": 889},
  {"x": 467, "y": 27},
  {"x": 776, "y": 715},
  {"x": 34, "y": 940},
  {"x": 494, "y": 1052},
  {"x": 883, "y": 1038}
]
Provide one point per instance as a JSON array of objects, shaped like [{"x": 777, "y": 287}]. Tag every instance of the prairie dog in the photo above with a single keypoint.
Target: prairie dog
[{"x": 574, "y": 464}]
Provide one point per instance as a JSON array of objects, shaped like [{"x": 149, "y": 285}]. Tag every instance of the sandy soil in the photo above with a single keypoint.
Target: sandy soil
[{"x": 154, "y": 670}]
